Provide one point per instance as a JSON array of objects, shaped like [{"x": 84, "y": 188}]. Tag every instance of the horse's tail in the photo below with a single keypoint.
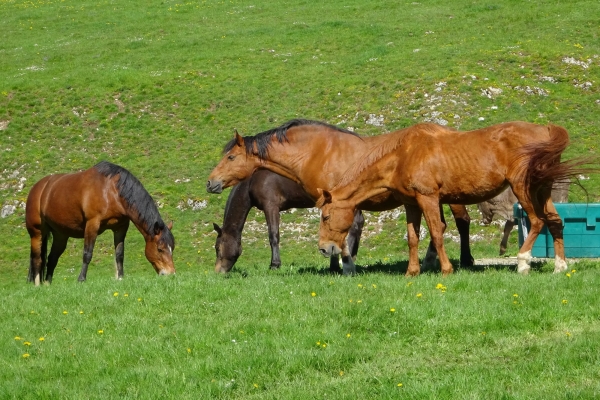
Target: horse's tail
[
  {"x": 44, "y": 254},
  {"x": 544, "y": 166}
]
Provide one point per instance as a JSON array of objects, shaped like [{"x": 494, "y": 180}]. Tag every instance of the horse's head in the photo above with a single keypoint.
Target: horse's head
[
  {"x": 235, "y": 166},
  {"x": 159, "y": 248},
  {"x": 336, "y": 221},
  {"x": 228, "y": 250}
]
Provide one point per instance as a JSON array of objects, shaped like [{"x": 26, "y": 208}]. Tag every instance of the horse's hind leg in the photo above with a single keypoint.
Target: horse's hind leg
[
  {"x": 119, "y": 242},
  {"x": 508, "y": 227},
  {"x": 463, "y": 222},
  {"x": 272, "y": 217},
  {"x": 555, "y": 226},
  {"x": 533, "y": 209},
  {"x": 59, "y": 244},
  {"x": 89, "y": 241}
]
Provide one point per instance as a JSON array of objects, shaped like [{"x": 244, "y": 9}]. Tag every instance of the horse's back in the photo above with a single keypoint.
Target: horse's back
[
  {"x": 69, "y": 200},
  {"x": 267, "y": 187}
]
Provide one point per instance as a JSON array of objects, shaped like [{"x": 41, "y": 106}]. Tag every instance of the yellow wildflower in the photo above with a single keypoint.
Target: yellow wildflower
[
  {"x": 392, "y": 310},
  {"x": 419, "y": 295},
  {"x": 25, "y": 355},
  {"x": 27, "y": 343},
  {"x": 313, "y": 294}
]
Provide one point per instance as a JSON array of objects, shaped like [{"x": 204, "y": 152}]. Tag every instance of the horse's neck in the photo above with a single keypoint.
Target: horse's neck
[
  {"x": 314, "y": 161},
  {"x": 369, "y": 175},
  {"x": 237, "y": 208}
]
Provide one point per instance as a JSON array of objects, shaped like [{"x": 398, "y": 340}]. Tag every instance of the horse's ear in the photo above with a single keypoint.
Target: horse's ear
[
  {"x": 158, "y": 228},
  {"x": 324, "y": 198},
  {"x": 170, "y": 225},
  {"x": 218, "y": 229},
  {"x": 238, "y": 139}
]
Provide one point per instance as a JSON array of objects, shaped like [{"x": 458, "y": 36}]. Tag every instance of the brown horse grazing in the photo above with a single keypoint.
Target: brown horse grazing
[
  {"x": 270, "y": 193},
  {"x": 427, "y": 165},
  {"x": 85, "y": 204},
  {"x": 315, "y": 155}
]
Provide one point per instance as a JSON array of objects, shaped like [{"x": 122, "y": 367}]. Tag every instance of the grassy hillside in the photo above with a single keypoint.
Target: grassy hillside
[{"x": 158, "y": 87}]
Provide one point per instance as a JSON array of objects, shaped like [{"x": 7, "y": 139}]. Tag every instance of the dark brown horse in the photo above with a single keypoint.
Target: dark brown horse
[
  {"x": 270, "y": 193},
  {"x": 85, "y": 204},
  {"x": 427, "y": 165},
  {"x": 315, "y": 155}
]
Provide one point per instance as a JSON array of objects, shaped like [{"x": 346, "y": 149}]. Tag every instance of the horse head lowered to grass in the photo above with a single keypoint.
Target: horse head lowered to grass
[
  {"x": 427, "y": 165},
  {"x": 315, "y": 155},
  {"x": 85, "y": 204},
  {"x": 270, "y": 193}
]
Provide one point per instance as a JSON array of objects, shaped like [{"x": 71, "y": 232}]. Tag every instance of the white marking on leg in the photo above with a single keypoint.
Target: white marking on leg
[
  {"x": 524, "y": 262},
  {"x": 560, "y": 265}
]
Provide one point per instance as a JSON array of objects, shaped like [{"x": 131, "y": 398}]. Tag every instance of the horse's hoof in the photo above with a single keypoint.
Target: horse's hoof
[{"x": 275, "y": 267}]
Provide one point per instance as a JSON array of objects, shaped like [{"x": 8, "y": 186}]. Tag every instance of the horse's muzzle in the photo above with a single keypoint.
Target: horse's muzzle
[
  {"x": 330, "y": 249},
  {"x": 213, "y": 186}
]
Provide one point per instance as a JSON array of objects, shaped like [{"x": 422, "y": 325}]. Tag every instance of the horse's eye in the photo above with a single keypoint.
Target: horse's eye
[
  {"x": 160, "y": 250},
  {"x": 326, "y": 217},
  {"x": 231, "y": 157}
]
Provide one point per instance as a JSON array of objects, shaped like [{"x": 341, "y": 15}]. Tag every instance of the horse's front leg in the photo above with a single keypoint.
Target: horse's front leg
[
  {"x": 89, "y": 241},
  {"x": 273, "y": 220},
  {"x": 119, "y": 242},
  {"x": 431, "y": 210},
  {"x": 348, "y": 267},
  {"x": 413, "y": 222},
  {"x": 429, "y": 260}
]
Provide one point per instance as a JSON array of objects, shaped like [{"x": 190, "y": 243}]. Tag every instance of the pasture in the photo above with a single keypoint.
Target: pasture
[{"x": 158, "y": 88}]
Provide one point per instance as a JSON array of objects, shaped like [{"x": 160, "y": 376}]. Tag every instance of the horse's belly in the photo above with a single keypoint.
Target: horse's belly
[{"x": 474, "y": 196}]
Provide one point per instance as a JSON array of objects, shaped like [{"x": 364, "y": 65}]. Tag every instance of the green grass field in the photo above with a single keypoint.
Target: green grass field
[{"x": 158, "y": 87}]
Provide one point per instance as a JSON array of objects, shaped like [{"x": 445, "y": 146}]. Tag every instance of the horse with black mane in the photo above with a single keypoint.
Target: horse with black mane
[
  {"x": 270, "y": 193},
  {"x": 85, "y": 204}
]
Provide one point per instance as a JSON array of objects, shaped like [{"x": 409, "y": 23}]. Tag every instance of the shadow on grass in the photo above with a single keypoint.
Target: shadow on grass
[{"x": 400, "y": 267}]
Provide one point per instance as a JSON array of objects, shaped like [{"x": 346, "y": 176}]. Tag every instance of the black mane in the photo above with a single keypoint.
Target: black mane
[
  {"x": 136, "y": 196},
  {"x": 263, "y": 139}
]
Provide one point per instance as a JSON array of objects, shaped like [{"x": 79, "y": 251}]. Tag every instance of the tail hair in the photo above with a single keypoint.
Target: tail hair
[{"x": 544, "y": 166}]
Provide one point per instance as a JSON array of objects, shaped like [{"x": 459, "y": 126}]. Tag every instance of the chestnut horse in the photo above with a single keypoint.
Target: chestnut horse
[
  {"x": 315, "y": 155},
  {"x": 270, "y": 193},
  {"x": 85, "y": 204},
  {"x": 427, "y": 165}
]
